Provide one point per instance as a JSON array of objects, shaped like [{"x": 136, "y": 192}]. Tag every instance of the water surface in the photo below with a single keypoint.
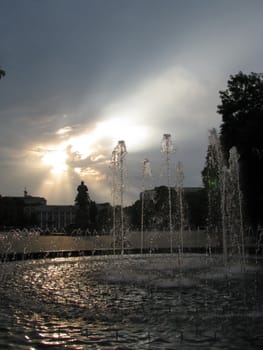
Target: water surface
[{"x": 150, "y": 302}]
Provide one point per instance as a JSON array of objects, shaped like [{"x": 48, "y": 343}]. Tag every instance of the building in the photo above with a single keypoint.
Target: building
[
  {"x": 53, "y": 217},
  {"x": 56, "y": 217},
  {"x": 19, "y": 211},
  {"x": 32, "y": 211}
]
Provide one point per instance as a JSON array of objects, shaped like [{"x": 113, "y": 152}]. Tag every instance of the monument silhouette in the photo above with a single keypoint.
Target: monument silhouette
[{"x": 82, "y": 202}]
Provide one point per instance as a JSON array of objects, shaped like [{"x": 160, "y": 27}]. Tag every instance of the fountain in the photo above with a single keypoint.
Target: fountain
[
  {"x": 136, "y": 301},
  {"x": 167, "y": 148},
  {"x": 225, "y": 198},
  {"x": 236, "y": 210},
  {"x": 146, "y": 171},
  {"x": 130, "y": 302},
  {"x": 179, "y": 191},
  {"x": 117, "y": 164},
  {"x": 114, "y": 168}
]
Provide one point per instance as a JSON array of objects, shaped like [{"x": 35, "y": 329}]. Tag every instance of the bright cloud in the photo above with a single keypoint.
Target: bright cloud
[{"x": 165, "y": 99}]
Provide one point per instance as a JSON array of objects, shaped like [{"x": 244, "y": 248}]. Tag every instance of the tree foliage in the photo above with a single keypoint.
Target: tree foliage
[
  {"x": 82, "y": 201},
  {"x": 2, "y": 73},
  {"x": 241, "y": 109},
  {"x": 156, "y": 210}
]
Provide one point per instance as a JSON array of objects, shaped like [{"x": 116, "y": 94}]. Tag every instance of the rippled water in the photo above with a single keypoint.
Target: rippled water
[{"x": 134, "y": 302}]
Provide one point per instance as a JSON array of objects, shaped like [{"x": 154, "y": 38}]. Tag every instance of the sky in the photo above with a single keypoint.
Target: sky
[{"x": 82, "y": 75}]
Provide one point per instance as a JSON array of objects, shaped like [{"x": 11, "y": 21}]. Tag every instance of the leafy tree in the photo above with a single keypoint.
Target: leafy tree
[
  {"x": 82, "y": 201},
  {"x": 196, "y": 204},
  {"x": 2, "y": 73},
  {"x": 12, "y": 212},
  {"x": 241, "y": 109}
]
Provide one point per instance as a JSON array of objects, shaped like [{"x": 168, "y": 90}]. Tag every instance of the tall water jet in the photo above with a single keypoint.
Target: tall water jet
[
  {"x": 146, "y": 171},
  {"x": 215, "y": 179},
  {"x": 225, "y": 197},
  {"x": 179, "y": 190},
  {"x": 120, "y": 152},
  {"x": 167, "y": 147},
  {"x": 231, "y": 210},
  {"x": 235, "y": 210},
  {"x": 114, "y": 168}
]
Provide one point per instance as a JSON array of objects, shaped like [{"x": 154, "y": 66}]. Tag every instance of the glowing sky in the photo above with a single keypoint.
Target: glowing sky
[{"x": 83, "y": 74}]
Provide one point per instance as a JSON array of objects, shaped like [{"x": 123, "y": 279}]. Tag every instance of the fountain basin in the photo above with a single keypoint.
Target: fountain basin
[
  {"x": 22, "y": 246},
  {"x": 130, "y": 302}
]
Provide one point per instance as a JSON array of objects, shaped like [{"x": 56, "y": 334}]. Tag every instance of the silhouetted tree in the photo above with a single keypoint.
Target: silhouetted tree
[
  {"x": 12, "y": 212},
  {"x": 93, "y": 212},
  {"x": 196, "y": 208},
  {"x": 83, "y": 205},
  {"x": 103, "y": 215},
  {"x": 82, "y": 199},
  {"x": 2, "y": 73},
  {"x": 133, "y": 213},
  {"x": 156, "y": 210},
  {"x": 241, "y": 109}
]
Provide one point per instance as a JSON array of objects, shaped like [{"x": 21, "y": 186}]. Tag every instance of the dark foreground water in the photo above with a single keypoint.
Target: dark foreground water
[{"x": 149, "y": 302}]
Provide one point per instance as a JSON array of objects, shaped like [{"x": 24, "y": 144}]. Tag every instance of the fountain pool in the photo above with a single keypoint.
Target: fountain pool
[{"x": 131, "y": 302}]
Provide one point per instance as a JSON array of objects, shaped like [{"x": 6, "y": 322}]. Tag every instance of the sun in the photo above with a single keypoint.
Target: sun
[{"x": 56, "y": 159}]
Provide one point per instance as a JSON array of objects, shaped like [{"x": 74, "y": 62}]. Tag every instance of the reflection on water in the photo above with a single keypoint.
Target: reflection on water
[{"x": 128, "y": 303}]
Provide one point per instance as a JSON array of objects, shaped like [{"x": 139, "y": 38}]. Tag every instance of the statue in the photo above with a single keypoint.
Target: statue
[
  {"x": 82, "y": 198},
  {"x": 82, "y": 201}
]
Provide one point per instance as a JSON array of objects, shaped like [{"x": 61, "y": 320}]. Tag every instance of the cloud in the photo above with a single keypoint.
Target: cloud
[
  {"x": 172, "y": 101},
  {"x": 81, "y": 77}
]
